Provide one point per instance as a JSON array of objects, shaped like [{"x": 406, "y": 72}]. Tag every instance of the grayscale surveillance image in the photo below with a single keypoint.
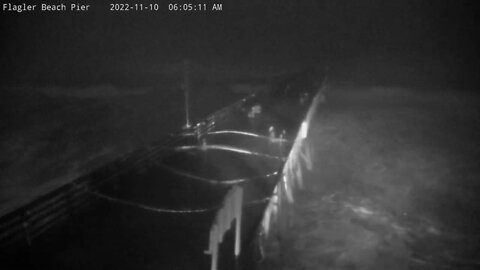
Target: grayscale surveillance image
[{"x": 239, "y": 135}]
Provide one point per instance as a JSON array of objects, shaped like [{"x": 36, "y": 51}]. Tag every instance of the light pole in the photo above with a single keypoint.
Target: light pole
[{"x": 186, "y": 90}]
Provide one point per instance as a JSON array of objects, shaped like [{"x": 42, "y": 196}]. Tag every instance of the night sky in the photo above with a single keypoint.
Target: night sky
[{"x": 100, "y": 46}]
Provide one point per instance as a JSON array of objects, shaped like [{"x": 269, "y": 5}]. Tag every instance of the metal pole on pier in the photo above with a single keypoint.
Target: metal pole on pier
[{"x": 186, "y": 90}]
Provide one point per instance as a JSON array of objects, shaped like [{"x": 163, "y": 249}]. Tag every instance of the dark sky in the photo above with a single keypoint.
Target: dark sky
[{"x": 105, "y": 46}]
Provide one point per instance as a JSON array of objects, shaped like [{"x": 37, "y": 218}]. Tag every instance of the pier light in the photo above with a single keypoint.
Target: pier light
[{"x": 304, "y": 130}]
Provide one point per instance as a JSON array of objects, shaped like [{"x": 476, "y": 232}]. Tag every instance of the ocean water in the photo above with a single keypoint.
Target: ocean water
[{"x": 394, "y": 184}]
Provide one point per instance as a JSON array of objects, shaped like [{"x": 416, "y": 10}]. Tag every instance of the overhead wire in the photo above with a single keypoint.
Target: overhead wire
[{"x": 163, "y": 210}]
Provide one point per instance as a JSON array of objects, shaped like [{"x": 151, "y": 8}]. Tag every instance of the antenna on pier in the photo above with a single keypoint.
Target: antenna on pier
[{"x": 186, "y": 90}]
